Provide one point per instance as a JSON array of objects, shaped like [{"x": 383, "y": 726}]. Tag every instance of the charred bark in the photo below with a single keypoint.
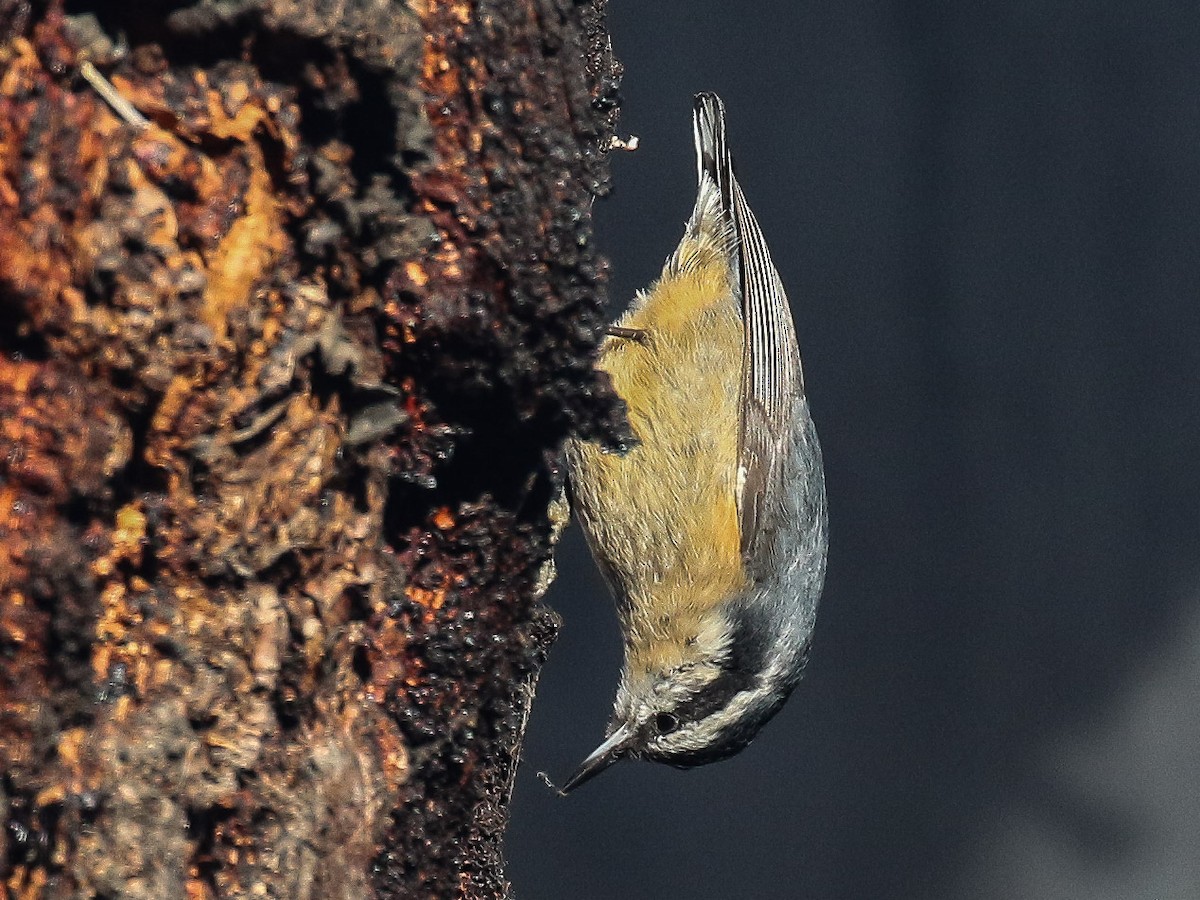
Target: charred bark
[{"x": 284, "y": 371}]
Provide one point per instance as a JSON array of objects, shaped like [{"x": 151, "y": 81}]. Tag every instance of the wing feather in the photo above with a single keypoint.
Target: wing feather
[{"x": 772, "y": 380}]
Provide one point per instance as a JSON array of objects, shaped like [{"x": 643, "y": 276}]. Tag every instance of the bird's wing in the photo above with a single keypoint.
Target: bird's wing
[{"x": 771, "y": 373}]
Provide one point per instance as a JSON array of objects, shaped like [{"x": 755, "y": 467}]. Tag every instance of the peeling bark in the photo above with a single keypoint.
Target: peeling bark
[{"x": 283, "y": 378}]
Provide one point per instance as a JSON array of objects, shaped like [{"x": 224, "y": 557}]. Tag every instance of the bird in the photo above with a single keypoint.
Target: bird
[{"x": 712, "y": 530}]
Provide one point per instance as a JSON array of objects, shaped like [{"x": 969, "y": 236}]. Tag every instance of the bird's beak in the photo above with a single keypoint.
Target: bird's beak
[{"x": 617, "y": 746}]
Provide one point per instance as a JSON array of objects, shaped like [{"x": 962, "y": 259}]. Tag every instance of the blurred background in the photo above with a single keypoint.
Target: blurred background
[{"x": 987, "y": 216}]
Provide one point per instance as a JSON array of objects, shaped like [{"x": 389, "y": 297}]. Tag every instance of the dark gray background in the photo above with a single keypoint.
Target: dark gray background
[{"x": 987, "y": 216}]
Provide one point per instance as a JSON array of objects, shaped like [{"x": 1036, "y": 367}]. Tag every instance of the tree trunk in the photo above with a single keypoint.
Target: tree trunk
[{"x": 285, "y": 368}]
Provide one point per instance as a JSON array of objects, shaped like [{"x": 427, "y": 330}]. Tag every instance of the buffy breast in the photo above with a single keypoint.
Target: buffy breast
[{"x": 682, "y": 389}]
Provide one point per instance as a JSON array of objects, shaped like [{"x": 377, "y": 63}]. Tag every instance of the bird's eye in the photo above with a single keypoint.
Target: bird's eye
[{"x": 665, "y": 723}]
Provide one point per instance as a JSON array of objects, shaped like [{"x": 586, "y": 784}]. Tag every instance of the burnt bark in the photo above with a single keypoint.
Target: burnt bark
[{"x": 284, "y": 373}]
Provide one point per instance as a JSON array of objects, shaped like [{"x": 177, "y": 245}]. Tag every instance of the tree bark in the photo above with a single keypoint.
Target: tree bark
[{"x": 284, "y": 374}]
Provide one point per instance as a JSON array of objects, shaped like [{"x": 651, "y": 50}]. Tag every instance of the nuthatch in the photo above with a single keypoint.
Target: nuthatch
[{"x": 711, "y": 531}]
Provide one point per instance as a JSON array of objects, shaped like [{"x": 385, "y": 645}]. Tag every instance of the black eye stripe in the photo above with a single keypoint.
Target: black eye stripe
[
  {"x": 715, "y": 695},
  {"x": 727, "y": 741}
]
